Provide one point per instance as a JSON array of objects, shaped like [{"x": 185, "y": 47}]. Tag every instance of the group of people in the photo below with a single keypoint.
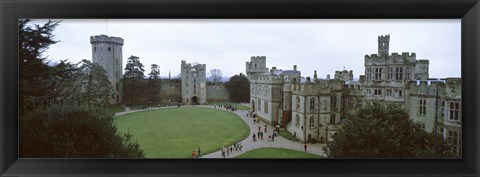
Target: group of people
[
  {"x": 227, "y": 107},
  {"x": 226, "y": 151},
  {"x": 259, "y": 134},
  {"x": 196, "y": 154}
]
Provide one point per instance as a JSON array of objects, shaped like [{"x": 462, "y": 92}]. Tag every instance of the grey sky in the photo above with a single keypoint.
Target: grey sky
[{"x": 322, "y": 45}]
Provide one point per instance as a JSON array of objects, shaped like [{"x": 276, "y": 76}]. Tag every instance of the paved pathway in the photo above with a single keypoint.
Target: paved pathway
[
  {"x": 248, "y": 143},
  {"x": 279, "y": 141}
]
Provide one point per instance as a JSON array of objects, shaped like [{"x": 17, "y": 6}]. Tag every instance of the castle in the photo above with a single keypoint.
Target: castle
[{"x": 311, "y": 108}]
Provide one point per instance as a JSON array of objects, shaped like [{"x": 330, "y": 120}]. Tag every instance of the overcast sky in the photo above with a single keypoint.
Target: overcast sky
[{"x": 322, "y": 45}]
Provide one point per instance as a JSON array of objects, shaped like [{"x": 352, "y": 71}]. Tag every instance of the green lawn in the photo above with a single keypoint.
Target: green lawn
[
  {"x": 113, "y": 108},
  {"x": 176, "y": 132},
  {"x": 287, "y": 135},
  {"x": 238, "y": 105},
  {"x": 277, "y": 153}
]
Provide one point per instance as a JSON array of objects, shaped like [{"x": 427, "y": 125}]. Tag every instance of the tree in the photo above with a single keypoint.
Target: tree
[
  {"x": 154, "y": 80},
  {"x": 133, "y": 76},
  {"x": 376, "y": 132},
  {"x": 216, "y": 75},
  {"x": 239, "y": 88},
  {"x": 68, "y": 129},
  {"x": 35, "y": 74}
]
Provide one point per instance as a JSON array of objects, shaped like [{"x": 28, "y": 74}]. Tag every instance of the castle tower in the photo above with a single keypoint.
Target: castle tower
[
  {"x": 107, "y": 52},
  {"x": 383, "y": 44},
  {"x": 257, "y": 65},
  {"x": 194, "y": 79}
]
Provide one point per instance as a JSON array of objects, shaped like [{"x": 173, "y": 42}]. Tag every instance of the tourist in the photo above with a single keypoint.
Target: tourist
[
  {"x": 194, "y": 154},
  {"x": 254, "y": 137},
  {"x": 273, "y": 137},
  {"x": 265, "y": 128},
  {"x": 305, "y": 147},
  {"x": 223, "y": 152},
  {"x": 199, "y": 155},
  {"x": 269, "y": 137},
  {"x": 259, "y": 128}
]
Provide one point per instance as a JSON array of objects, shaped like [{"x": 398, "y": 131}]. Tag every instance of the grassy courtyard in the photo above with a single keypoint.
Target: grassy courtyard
[
  {"x": 276, "y": 153},
  {"x": 176, "y": 132}
]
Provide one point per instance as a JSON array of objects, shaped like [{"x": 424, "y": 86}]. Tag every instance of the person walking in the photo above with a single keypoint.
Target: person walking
[
  {"x": 273, "y": 137},
  {"x": 305, "y": 147},
  {"x": 198, "y": 150},
  {"x": 194, "y": 154}
]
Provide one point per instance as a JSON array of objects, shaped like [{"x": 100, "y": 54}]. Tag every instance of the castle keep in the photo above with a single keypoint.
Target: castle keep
[
  {"x": 311, "y": 108},
  {"x": 194, "y": 88},
  {"x": 107, "y": 52}
]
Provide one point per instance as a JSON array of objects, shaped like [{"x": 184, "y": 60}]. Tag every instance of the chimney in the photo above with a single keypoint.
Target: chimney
[
  {"x": 315, "y": 75},
  {"x": 308, "y": 79},
  {"x": 294, "y": 67},
  {"x": 328, "y": 76}
]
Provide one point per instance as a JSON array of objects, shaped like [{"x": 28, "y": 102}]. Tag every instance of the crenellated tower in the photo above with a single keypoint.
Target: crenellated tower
[
  {"x": 383, "y": 44},
  {"x": 107, "y": 52}
]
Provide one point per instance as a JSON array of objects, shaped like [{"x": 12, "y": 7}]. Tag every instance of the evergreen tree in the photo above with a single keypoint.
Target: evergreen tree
[
  {"x": 133, "y": 77},
  {"x": 239, "y": 88},
  {"x": 35, "y": 74},
  {"x": 376, "y": 132},
  {"x": 154, "y": 81}
]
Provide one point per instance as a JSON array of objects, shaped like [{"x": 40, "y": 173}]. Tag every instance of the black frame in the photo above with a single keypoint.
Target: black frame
[{"x": 467, "y": 10}]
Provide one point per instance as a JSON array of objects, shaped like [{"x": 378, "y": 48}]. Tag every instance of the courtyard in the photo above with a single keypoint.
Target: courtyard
[{"x": 172, "y": 132}]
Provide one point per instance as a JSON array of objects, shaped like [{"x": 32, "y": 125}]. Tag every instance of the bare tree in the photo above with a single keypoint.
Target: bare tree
[{"x": 216, "y": 75}]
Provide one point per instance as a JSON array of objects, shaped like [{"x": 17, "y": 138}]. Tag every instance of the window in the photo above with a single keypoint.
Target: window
[
  {"x": 312, "y": 103},
  {"x": 349, "y": 102},
  {"x": 259, "y": 105},
  {"x": 390, "y": 73},
  {"x": 265, "y": 107},
  {"x": 389, "y": 92},
  {"x": 109, "y": 49},
  {"x": 332, "y": 119},
  {"x": 454, "y": 111},
  {"x": 453, "y": 138},
  {"x": 407, "y": 73},
  {"x": 368, "y": 73},
  {"x": 113, "y": 96},
  {"x": 359, "y": 103},
  {"x": 116, "y": 86},
  {"x": 369, "y": 92},
  {"x": 312, "y": 122},
  {"x": 94, "y": 48},
  {"x": 399, "y": 73},
  {"x": 297, "y": 104},
  {"x": 297, "y": 120},
  {"x": 442, "y": 109},
  {"x": 378, "y": 74},
  {"x": 378, "y": 92},
  {"x": 333, "y": 101},
  {"x": 422, "y": 107}
]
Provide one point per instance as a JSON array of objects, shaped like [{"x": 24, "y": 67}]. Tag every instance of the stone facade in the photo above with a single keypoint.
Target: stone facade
[
  {"x": 268, "y": 88},
  {"x": 107, "y": 52},
  {"x": 194, "y": 87},
  {"x": 311, "y": 109}
]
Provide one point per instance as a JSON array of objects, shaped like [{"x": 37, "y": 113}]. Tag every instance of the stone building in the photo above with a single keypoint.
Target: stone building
[
  {"x": 107, "y": 52},
  {"x": 194, "y": 88},
  {"x": 387, "y": 75},
  {"x": 311, "y": 109},
  {"x": 269, "y": 89}
]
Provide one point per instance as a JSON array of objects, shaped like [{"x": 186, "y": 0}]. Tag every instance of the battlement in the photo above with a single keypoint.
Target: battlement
[
  {"x": 423, "y": 61},
  {"x": 105, "y": 39},
  {"x": 258, "y": 58},
  {"x": 384, "y": 37}
]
